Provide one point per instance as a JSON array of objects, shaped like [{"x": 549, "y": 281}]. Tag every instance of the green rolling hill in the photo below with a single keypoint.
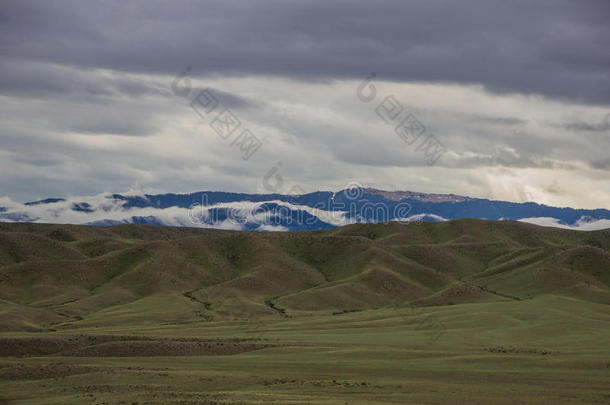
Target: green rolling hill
[
  {"x": 64, "y": 276},
  {"x": 459, "y": 312}
]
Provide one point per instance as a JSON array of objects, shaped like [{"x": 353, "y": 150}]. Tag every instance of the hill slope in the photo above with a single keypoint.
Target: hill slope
[{"x": 55, "y": 277}]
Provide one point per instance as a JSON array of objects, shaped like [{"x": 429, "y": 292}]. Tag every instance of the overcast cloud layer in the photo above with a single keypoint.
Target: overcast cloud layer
[{"x": 518, "y": 93}]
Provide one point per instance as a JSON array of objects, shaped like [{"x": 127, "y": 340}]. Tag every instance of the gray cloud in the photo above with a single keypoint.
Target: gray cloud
[
  {"x": 50, "y": 80},
  {"x": 506, "y": 121},
  {"x": 601, "y": 126},
  {"x": 231, "y": 100},
  {"x": 87, "y": 104},
  {"x": 554, "y": 48},
  {"x": 601, "y": 164}
]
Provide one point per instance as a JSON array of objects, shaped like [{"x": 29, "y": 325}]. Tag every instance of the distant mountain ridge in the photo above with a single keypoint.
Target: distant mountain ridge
[{"x": 282, "y": 212}]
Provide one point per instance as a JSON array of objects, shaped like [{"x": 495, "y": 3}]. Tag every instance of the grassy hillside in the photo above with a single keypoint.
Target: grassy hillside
[
  {"x": 368, "y": 313},
  {"x": 59, "y": 276}
]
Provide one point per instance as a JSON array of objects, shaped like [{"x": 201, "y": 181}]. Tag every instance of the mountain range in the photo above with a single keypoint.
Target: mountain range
[{"x": 284, "y": 212}]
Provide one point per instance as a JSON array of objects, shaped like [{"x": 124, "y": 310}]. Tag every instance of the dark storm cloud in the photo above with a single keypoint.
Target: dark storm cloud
[{"x": 554, "y": 48}]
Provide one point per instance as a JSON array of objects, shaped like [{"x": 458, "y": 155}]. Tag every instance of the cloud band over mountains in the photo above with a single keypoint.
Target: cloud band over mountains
[{"x": 277, "y": 212}]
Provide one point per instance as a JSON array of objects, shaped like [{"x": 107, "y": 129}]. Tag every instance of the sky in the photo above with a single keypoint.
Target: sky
[{"x": 491, "y": 99}]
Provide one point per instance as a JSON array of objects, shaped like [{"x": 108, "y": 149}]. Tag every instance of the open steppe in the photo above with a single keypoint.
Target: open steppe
[{"x": 461, "y": 312}]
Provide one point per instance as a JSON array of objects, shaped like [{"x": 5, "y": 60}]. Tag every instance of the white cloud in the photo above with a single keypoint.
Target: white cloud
[{"x": 581, "y": 225}]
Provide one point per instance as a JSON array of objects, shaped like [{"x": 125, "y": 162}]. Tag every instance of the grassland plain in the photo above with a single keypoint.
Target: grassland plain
[{"x": 460, "y": 312}]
